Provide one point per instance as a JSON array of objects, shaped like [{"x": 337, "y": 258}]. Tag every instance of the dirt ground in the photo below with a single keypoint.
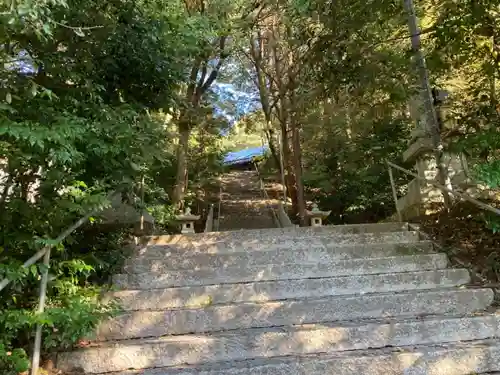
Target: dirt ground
[{"x": 463, "y": 234}]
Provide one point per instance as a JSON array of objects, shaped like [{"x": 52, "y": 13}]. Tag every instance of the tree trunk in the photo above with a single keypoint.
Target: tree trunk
[
  {"x": 272, "y": 147},
  {"x": 290, "y": 179},
  {"x": 283, "y": 114},
  {"x": 194, "y": 94},
  {"x": 257, "y": 55},
  {"x": 293, "y": 109},
  {"x": 299, "y": 186},
  {"x": 297, "y": 166},
  {"x": 182, "y": 164}
]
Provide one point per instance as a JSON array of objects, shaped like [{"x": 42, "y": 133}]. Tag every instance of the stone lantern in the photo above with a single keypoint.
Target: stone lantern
[
  {"x": 317, "y": 216},
  {"x": 187, "y": 221}
]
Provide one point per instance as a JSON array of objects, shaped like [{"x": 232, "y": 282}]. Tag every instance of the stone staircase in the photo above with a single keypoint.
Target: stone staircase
[
  {"x": 336, "y": 300},
  {"x": 243, "y": 206}
]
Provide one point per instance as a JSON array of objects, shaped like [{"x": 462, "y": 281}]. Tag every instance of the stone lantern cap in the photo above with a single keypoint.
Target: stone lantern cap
[
  {"x": 187, "y": 216},
  {"x": 315, "y": 212}
]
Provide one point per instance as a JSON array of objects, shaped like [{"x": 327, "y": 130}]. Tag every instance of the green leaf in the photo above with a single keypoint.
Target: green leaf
[
  {"x": 47, "y": 29},
  {"x": 6, "y": 107},
  {"x": 8, "y": 98},
  {"x": 34, "y": 270},
  {"x": 135, "y": 167}
]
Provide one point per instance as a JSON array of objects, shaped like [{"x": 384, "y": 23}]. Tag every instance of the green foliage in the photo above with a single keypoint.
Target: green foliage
[
  {"x": 73, "y": 307},
  {"x": 246, "y": 133},
  {"x": 65, "y": 321},
  {"x": 350, "y": 83},
  {"x": 489, "y": 174},
  {"x": 349, "y": 175},
  {"x": 89, "y": 90},
  {"x": 13, "y": 362},
  {"x": 492, "y": 223},
  {"x": 92, "y": 92},
  {"x": 464, "y": 49},
  {"x": 164, "y": 215}
]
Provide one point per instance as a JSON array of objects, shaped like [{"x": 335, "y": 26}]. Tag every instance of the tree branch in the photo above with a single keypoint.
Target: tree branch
[
  {"x": 79, "y": 28},
  {"x": 213, "y": 74},
  {"x": 203, "y": 74},
  {"x": 266, "y": 73},
  {"x": 192, "y": 79}
]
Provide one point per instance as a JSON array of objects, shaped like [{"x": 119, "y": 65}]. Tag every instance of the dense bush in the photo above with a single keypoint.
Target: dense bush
[{"x": 88, "y": 96}]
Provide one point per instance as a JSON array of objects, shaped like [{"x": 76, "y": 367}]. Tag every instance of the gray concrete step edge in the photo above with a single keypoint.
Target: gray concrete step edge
[
  {"x": 263, "y": 344},
  {"x": 200, "y": 296},
  {"x": 265, "y": 243},
  {"x": 167, "y": 259},
  {"x": 277, "y": 232},
  {"x": 343, "y": 267},
  {"x": 475, "y": 357},
  {"x": 142, "y": 324}
]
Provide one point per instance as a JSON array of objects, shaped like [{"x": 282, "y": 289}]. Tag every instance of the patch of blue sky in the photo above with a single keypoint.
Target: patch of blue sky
[
  {"x": 244, "y": 156},
  {"x": 234, "y": 103},
  {"x": 22, "y": 63}
]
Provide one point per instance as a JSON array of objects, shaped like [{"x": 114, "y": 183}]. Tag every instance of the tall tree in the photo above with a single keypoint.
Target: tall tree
[
  {"x": 221, "y": 21},
  {"x": 274, "y": 56}
]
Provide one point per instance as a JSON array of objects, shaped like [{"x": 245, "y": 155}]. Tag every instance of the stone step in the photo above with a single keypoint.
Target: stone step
[
  {"x": 265, "y": 243},
  {"x": 161, "y": 259},
  {"x": 260, "y": 344},
  {"x": 250, "y": 234},
  {"x": 140, "y": 324},
  {"x": 239, "y": 274},
  {"x": 199, "y": 296},
  {"x": 475, "y": 357}
]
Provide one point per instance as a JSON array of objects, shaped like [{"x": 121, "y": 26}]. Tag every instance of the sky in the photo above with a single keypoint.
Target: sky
[
  {"x": 233, "y": 103},
  {"x": 243, "y": 102}
]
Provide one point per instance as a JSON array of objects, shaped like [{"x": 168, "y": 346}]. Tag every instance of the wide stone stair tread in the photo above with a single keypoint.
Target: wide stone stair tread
[
  {"x": 255, "y": 344},
  {"x": 240, "y": 242},
  {"x": 476, "y": 357},
  {"x": 261, "y": 234},
  {"x": 175, "y": 259},
  {"x": 200, "y": 296},
  {"x": 235, "y": 274},
  {"x": 140, "y": 324}
]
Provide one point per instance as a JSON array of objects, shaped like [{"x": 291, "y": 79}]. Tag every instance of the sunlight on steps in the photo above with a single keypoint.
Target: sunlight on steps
[
  {"x": 242, "y": 203},
  {"x": 338, "y": 300}
]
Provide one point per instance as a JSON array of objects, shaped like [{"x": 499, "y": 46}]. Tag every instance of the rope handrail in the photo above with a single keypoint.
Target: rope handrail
[{"x": 463, "y": 196}]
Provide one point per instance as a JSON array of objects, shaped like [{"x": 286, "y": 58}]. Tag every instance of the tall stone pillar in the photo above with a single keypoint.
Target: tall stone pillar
[{"x": 420, "y": 151}]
